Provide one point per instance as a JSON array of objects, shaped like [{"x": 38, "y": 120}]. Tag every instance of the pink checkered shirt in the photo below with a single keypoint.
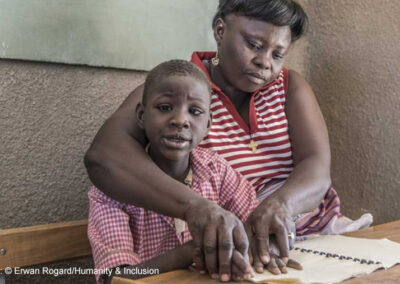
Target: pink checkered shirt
[{"x": 122, "y": 234}]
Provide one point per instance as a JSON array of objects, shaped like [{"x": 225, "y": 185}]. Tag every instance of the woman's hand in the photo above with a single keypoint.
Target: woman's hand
[
  {"x": 216, "y": 234},
  {"x": 272, "y": 218}
]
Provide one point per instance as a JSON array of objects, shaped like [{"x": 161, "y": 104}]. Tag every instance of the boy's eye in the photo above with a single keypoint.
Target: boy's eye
[
  {"x": 196, "y": 111},
  {"x": 278, "y": 55},
  {"x": 164, "y": 108}
]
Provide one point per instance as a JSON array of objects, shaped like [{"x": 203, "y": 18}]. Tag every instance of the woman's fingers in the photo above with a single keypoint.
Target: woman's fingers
[
  {"x": 282, "y": 242},
  {"x": 217, "y": 230},
  {"x": 210, "y": 256},
  {"x": 262, "y": 241},
  {"x": 225, "y": 250}
]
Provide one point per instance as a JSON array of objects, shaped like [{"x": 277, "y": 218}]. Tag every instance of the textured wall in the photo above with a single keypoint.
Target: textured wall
[
  {"x": 353, "y": 65},
  {"x": 49, "y": 114}
]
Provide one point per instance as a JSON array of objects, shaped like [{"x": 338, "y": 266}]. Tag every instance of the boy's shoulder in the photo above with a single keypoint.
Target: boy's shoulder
[{"x": 202, "y": 157}]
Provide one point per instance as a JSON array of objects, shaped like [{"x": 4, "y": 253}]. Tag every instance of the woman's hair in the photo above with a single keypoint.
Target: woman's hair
[
  {"x": 175, "y": 67},
  {"x": 276, "y": 12}
]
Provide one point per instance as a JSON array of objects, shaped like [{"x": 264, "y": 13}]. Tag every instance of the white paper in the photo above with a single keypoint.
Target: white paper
[{"x": 320, "y": 269}]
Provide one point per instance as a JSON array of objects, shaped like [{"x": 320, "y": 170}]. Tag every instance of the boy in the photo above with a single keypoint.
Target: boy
[{"x": 175, "y": 115}]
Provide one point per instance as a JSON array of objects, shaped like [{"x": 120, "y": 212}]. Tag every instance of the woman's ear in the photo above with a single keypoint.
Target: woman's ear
[
  {"x": 140, "y": 115},
  {"x": 219, "y": 29}
]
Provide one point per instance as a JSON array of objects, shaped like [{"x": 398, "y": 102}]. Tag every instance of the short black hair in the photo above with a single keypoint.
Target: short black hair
[
  {"x": 276, "y": 12},
  {"x": 175, "y": 67}
]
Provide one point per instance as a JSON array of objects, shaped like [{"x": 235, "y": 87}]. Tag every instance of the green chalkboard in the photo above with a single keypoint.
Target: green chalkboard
[{"x": 131, "y": 34}]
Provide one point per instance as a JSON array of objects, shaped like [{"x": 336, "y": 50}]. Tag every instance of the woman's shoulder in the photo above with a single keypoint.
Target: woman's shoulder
[{"x": 295, "y": 80}]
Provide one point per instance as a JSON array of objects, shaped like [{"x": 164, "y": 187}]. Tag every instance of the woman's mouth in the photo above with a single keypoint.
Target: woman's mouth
[{"x": 255, "y": 78}]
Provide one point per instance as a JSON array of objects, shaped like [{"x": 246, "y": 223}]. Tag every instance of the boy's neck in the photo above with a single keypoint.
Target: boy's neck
[{"x": 178, "y": 170}]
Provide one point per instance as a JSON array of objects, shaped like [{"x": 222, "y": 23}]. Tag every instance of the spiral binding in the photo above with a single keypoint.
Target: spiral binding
[{"x": 341, "y": 257}]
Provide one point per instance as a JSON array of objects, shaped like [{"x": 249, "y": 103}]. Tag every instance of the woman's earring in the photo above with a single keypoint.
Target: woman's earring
[{"x": 215, "y": 59}]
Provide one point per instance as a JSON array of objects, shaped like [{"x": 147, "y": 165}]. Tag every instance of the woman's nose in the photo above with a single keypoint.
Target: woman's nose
[{"x": 263, "y": 60}]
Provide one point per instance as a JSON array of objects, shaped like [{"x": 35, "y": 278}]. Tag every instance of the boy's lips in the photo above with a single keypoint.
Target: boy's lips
[{"x": 176, "y": 141}]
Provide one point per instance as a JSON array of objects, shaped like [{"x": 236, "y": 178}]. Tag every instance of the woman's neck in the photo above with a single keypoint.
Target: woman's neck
[
  {"x": 177, "y": 169},
  {"x": 237, "y": 97}
]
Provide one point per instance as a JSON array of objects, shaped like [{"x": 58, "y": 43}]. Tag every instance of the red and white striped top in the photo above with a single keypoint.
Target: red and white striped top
[{"x": 230, "y": 136}]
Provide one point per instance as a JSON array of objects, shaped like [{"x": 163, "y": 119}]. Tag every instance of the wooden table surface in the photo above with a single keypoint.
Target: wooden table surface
[{"x": 390, "y": 231}]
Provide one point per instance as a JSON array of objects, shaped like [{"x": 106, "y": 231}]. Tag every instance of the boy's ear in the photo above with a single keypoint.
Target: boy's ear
[
  {"x": 209, "y": 122},
  {"x": 140, "y": 115}
]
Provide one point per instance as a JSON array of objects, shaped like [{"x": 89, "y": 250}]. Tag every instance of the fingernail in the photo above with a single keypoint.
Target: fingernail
[
  {"x": 214, "y": 276},
  {"x": 224, "y": 277},
  {"x": 285, "y": 259},
  {"x": 259, "y": 269},
  {"x": 265, "y": 259},
  {"x": 276, "y": 271}
]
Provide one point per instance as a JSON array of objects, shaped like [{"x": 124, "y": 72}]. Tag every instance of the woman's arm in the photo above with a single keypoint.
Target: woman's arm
[
  {"x": 310, "y": 178},
  {"x": 118, "y": 165}
]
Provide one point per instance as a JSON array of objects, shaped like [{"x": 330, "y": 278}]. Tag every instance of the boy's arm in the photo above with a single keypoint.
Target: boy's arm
[
  {"x": 109, "y": 233},
  {"x": 177, "y": 258}
]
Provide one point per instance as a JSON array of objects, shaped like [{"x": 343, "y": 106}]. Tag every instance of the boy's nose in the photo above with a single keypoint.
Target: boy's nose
[{"x": 180, "y": 119}]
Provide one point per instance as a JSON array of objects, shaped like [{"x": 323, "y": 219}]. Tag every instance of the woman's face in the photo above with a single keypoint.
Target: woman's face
[{"x": 251, "y": 52}]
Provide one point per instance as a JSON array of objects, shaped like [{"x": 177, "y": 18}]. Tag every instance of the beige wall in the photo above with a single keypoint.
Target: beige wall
[
  {"x": 354, "y": 67},
  {"x": 49, "y": 113}
]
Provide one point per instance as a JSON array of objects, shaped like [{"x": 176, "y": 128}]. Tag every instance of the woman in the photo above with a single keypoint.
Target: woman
[{"x": 266, "y": 123}]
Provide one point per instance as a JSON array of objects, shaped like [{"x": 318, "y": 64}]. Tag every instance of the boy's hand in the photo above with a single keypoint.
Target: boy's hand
[
  {"x": 277, "y": 266},
  {"x": 240, "y": 267},
  {"x": 216, "y": 233}
]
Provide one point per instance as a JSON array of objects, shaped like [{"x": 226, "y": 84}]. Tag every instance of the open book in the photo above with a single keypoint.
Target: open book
[{"x": 331, "y": 259}]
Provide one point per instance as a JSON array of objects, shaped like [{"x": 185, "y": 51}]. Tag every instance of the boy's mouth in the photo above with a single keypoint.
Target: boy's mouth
[{"x": 176, "y": 141}]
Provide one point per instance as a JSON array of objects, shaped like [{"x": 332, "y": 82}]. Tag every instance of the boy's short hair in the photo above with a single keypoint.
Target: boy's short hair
[
  {"x": 276, "y": 12},
  {"x": 175, "y": 67}
]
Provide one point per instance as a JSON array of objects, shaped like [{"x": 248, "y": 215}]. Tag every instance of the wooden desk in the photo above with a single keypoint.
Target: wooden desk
[{"x": 392, "y": 275}]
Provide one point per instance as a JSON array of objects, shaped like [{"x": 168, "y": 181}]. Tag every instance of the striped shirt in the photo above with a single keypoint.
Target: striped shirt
[
  {"x": 230, "y": 136},
  {"x": 270, "y": 165}
]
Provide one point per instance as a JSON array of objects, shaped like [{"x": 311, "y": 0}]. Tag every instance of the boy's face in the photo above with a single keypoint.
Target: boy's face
[{"x": 176, "y": 116}]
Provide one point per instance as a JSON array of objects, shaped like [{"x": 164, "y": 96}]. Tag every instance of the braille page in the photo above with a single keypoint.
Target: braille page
[{"x": 332, "y": 259}]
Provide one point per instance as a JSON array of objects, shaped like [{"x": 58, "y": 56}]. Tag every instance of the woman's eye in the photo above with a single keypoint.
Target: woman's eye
[
  {"x": 196, "y": 111},
  {"x": 254, "y": 45},
  {"x": 164, "y": 108}
]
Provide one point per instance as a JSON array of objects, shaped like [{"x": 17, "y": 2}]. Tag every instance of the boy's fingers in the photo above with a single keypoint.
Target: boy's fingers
[
  {"x": 241, "y": 263},
  {"x": 210, "y": 250},
  {"x": 294, "y": 264},
  {"x": 281, "y": 265},
  {"x": 236, "y": 272},
  {"x": 225, "y": 250},
  {"x": 273, "y": 267}
]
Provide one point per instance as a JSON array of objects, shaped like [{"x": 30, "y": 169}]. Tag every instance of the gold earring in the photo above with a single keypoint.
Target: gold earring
[{"x": 215, "y": 59}]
